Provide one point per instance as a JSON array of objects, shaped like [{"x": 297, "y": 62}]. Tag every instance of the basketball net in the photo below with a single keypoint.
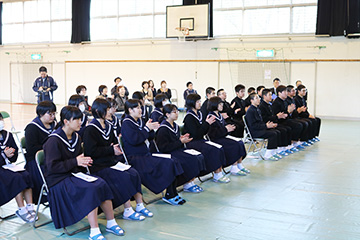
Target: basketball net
[{"x": 182, "y": 33}]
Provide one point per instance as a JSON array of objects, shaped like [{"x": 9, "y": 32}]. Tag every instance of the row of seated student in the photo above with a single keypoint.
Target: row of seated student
[{"x": 209, "y": 136}]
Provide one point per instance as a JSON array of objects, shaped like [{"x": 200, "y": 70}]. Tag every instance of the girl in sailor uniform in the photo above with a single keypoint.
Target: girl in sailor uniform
[
  {"x": 157, "y": 114},
  {"x": 36, "y": 134},
  {"x": 71, "y": 197},
  {"x": 234, "y": 149},
  {"x": 78, "y": 101},
  {"x": 113, "y": 120},
  {"x": 197, "y": 128},
  {"x": 169, "y": 140},
  {"x": 140, "y": 96},
  {"x": 14, "y": 184},
  {"x": 157, "y": 172},
  {"x": 102, "y": 146}
]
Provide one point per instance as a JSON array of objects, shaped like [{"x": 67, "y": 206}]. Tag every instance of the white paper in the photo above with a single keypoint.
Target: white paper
[
  {"x": 13, "y": 167},
  {"x": 233, "y": 138},
  {"x": 267, "y": 74},
  {"x": 192, "y": 152},
  {"x": 214, "y": 144},
  {"x": 85, "y": 177},
  {"x": 162, "y": 155},
  {"x": 121, "y": 167}
]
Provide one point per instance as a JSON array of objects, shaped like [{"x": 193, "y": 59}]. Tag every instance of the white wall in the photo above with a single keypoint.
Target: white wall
[{"x": 321, "y": 78}]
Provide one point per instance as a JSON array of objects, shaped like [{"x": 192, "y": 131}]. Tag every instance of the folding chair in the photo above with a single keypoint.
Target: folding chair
[
  {"x": 253, "y": 141},
  {"x": 40, "y": 157}
]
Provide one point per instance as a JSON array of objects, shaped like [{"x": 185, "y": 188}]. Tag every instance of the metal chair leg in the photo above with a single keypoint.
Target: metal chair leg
[{"x": 76, "y": 231}]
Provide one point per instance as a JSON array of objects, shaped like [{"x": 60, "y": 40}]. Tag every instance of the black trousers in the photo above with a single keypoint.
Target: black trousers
[
  {"x": 306, "y": 132},
  {"x": 272, "y": 135},
  {"x": 285, "y": 133},
  {"x": 296, "y": 128},
  {"x": 316, "y": 123}
]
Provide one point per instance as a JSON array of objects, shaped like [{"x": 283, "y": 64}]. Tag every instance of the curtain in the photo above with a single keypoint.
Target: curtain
[
  {"x": 80, "y": 21},
  {"x": 192, "y": 2}
]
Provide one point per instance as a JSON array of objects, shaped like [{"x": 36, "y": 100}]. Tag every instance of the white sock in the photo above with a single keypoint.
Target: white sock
[
  {"x": 128, "y": 211},
  {"x": 94, "y": 231},
  {"x": 283, "y": 148},
  {"x": 139, "y": 207},
  {"x": 189, "y": 185},
  {"x": 111, "y": 223},
  {"x": 23, "y": 210},
  {"x": 289, "y": 147},
  {"x": 274, "y": 151},
  {"x": 240, "y": 166},
  {"x": 234, "y": 169},
  {"x": 278, "y": 150},
  {"x": 218, "y": 175},
  {"x": 30, "y": 207},
  {"x": 268, "y": 153}
]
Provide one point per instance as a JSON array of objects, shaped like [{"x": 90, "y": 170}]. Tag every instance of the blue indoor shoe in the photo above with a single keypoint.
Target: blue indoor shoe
[
  {"x": 288, "y": 151},
  {"x": 176, "y": 201},
  {"x": 200, "y": 188},
  {"x": 305, "y": 144},
  {"x": 300, "y": 147},
  {"x": 116, "y": 229},
  {"x": 135, "y": 217},
  {"x": 294, "y": 149},
  {"x": 98, "y": 237},
  {"x": 146, "y": 212},
  {"x": 245, "y": 170},
  {"x": 310, "y": 142},
  {"x": 278, "y": 156},
  {"x": 192, "y": 189},
  {"x": 317, "y": 139},
  {"x": 283, "y": 153}
]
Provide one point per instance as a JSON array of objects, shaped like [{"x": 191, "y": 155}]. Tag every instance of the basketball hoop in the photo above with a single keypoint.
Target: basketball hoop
[{"x": 182, "y": 33}]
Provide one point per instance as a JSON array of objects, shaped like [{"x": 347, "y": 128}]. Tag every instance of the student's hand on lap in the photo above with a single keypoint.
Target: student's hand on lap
[
  {"x": 9, "y": 152},
  {"x": 270, "y": 125},
  {"x": 210, "y": 119},
  {"x": 230, "y": 127},
  {"x": 83, "y": 161},
  {"x": 117, "y": 150},
  {"x": 185, "y": 138}
]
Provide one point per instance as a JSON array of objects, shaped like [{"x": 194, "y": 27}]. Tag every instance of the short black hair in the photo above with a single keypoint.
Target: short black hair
[
  {"x": 42, "y": 69},
  {"x": 289, "y": 88},
  {"x": 101, "y": 88},
  {"x": 130, "y": 104},
  {"x": 144, "y": 82},
  {"x": 79, "y": 88},
  {"x": 138, "y": 95},
  {"x": 252, "y": 96},
  {"x": 117, "y": 79},
  {"x": 159, "y": 98},
  {"x": 191, "y": 99},
  {"x": 99, "y": 108},
  {"x": 239, "y": 87},
  {"x": 265, "y": 92},
  {"x": 300, "y": 87},
  {"x": 218, "y": 91},
  {"x": 45, "y": 106},
  {"x": 75, "y": 100},
  {"x": 298, "y": 81},
  {"x": 209, "y": 90},
  {"x": 213, "y": 103},
  {"x": 251, "y": 89},
  {"x": 188, "y": 83},
  {"x": 276, "y": 79},
  {"x": 168, "y": 108},
  {"x": 258, "y": 89},
  {"x": 112, "y": 102},
  {"x": 70, "y": 112},
  {"x": 280, "y": 89}
]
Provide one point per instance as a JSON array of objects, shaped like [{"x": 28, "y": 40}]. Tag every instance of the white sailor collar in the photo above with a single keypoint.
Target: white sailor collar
[
  {"x": 220, "y": 118},
  {"x": 105, "y": 133},
  {"x": 192, "y": 113},
  {"x": 4, "y": 142},
  {"x": 139, "y": 123},
  {"x": 158, "y": 111},
  {"x": 37, "y": 122},
  {"x": 59, "y": 133},
  {"x": 166, "y": 124}
]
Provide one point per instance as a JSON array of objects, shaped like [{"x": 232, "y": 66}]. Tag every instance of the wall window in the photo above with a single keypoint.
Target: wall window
[{"x": 36, "y": 21}]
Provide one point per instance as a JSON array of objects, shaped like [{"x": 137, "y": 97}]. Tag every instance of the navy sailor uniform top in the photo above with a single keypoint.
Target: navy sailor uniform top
[
  {"x": 195, "y": 126},
  {"x": 115, "y": 124},
  {"x": 60, "y": 156},
  {"x": 217, "y": 129},
  {"x": 7, "y": 140},
  {"x": 157, "y": 115},
  {"x": 168, "y": 137}
]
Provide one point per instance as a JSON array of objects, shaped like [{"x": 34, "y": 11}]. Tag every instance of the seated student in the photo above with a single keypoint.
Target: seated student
[
  {"x": 157, "y": 173},
  {"x": 169, "y": 140},
  {"x": 247, "y": 100},
  {"x": 14, "y": 184},
  {"x": 228, "y": 112},
  {"x": 259, "y": 90},
  {"x": 36, "y": 133},
  {"x": 148, "y": 96},
  {"x": 78, "y": 101},
  {"x": 234, "y": 150},
  {"x": 189, "y": 90},
  {"x": 140, "y": 96},
  {"x": 197, "y": 128},
  {"x": 120, "y": 99},
  {"x": 160, "y": 101},
  {"x": 210, "y": 92},
  {"x": 239, "y": 108},
  {"x": 102, "y": 146},
  {"x": 297, "y": 84},
  {"x": 72, "y": 198},
  {"x": 113, "y": 120},
  {"x": 164, "y": 90},
  {"x": 279, "y": 105},
  {"x": 103, "y": 92},
  {"x": 81, "y": 90},
  {"x": 301, "y": 103},
  {"x": 309, "y": 130},
  {"x": 259, "y": 129},
  {"x": 152, "y": 87},
  {"x": 267, "y": 115}
]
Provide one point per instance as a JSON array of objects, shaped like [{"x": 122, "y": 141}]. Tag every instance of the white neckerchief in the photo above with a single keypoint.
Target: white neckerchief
[{"x": 71, "y": 147}]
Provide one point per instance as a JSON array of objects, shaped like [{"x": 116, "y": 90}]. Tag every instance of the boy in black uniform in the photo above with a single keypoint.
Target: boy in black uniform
[
  {"x": 247, "y": 100},
  {"x": 210, "y": 92}
]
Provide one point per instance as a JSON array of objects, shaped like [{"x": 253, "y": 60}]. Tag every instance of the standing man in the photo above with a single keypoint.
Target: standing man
[{"x": 44, "y": 86}]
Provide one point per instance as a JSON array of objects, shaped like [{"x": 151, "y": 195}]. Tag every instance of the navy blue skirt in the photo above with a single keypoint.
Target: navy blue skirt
[
  {"x": 191, "y": 164},
  {"x": 12, "y": 183},
  {"x": 72, "y": 199},
  {"x": 214, "y": 157},
  {"x": 36, "y": 179},
  {"x": 156, "y": 173},
  {"x": 123, "y": 185},
  {"x": 234, "y": 150}
]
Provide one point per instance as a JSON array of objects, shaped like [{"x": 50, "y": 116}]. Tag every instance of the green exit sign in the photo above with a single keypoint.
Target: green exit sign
[
  {"x": 36, "y": 56},
  {"x": 265, "y": 53}
]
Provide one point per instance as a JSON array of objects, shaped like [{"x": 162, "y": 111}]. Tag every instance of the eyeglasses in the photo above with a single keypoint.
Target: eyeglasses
[
  {"x": 175, "y": 111},
  {"x": 53, "y": 114}
]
